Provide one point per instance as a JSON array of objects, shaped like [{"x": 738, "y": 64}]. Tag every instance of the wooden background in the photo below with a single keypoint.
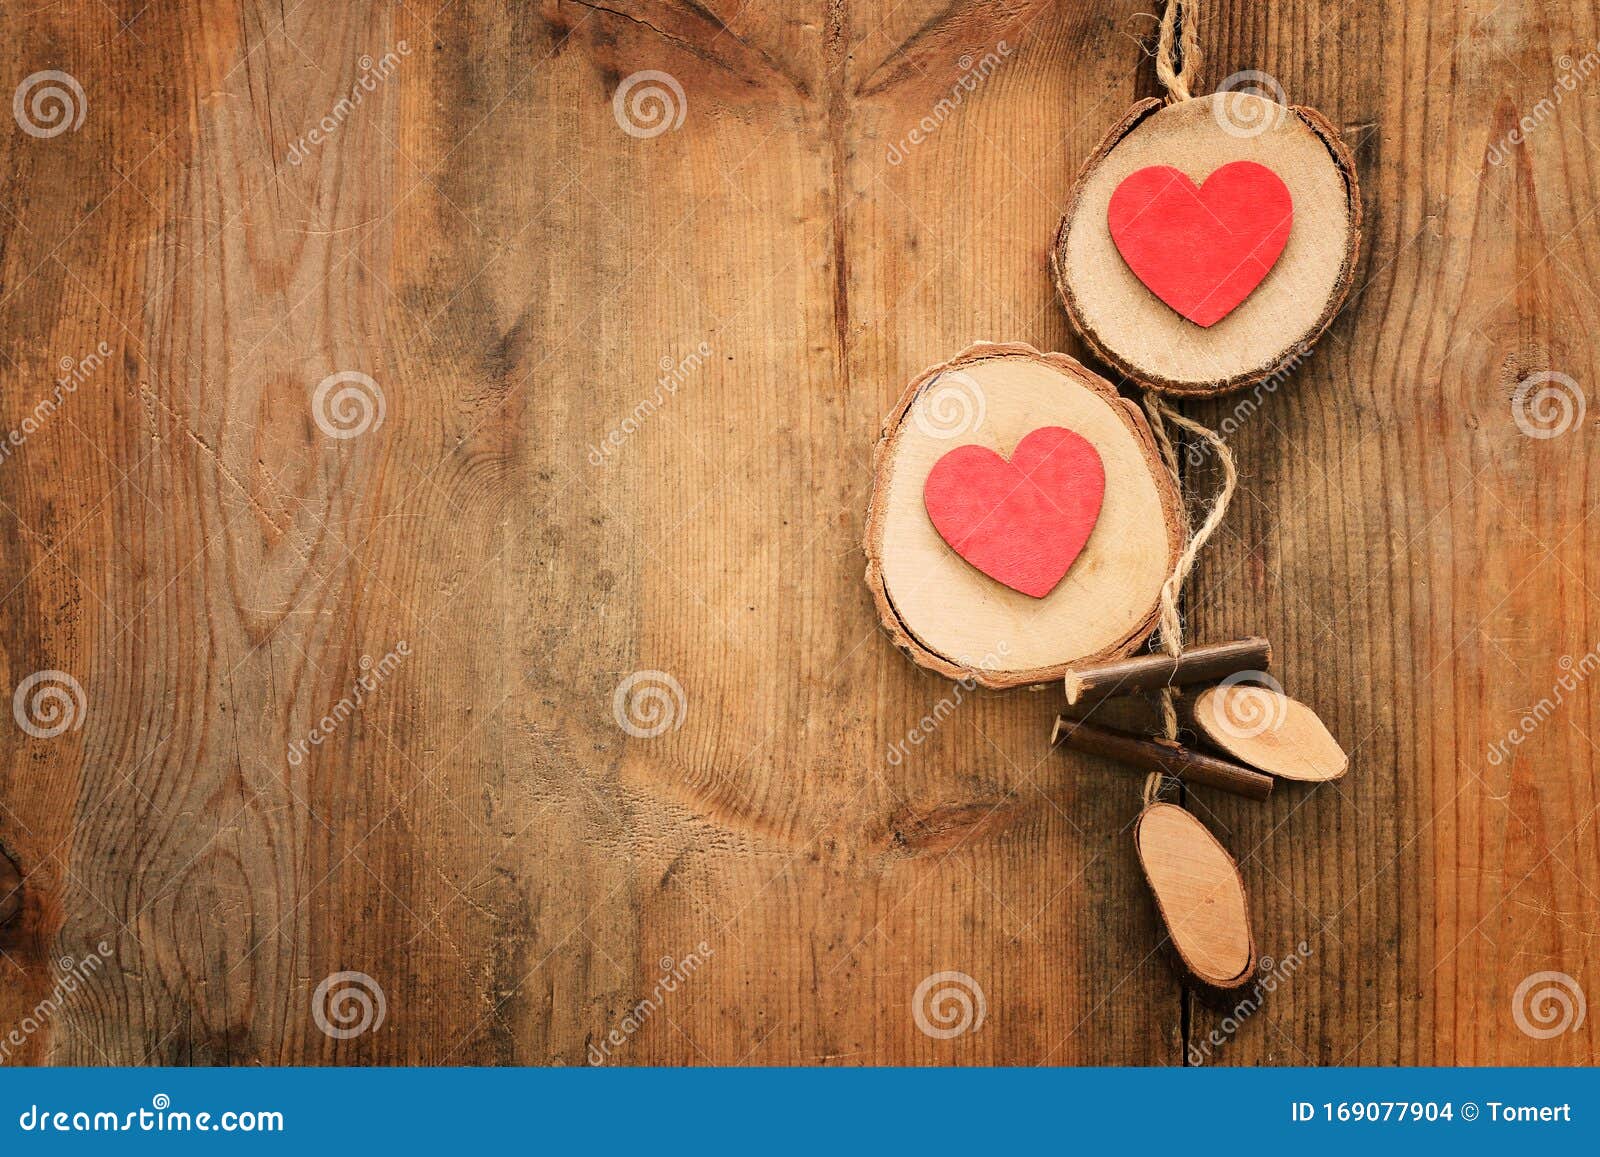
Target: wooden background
[{"x": 483, "y": 239}]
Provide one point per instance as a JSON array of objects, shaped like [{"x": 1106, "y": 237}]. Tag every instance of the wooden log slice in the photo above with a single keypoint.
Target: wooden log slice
[
  {"x": 954, "y": 619},
  {"x": 1272, "y": 330},
  {"x": 1267, "y": 730},
  {"x": 1200, "y": 896}
]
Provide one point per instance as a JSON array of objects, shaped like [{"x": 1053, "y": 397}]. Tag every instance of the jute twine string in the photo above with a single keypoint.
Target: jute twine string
[{"x": 1178, "y": 26}]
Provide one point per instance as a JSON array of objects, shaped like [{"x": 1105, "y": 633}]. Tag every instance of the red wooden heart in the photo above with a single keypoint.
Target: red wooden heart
[
  {"x": 1022, "y": 522},
  {"x": 1202, "y": 251}
]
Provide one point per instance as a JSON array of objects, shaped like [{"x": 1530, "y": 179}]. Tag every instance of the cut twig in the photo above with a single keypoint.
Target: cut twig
[
  {"x": 1197, "y": 665},
  {"x": 1163, "y": 755}
]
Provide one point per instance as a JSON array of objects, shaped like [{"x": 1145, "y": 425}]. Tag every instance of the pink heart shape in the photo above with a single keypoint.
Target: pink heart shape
[
  {"x": 1202, "y": 251},
  {"x": 1023, "y": 522}
]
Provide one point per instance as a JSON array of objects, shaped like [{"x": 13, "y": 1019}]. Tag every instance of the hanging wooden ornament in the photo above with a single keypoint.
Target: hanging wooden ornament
[
  {"x": 1263, "y": 727},
  {"x": 1201, "y": 898},
  {"x": 1208, "y": 241},
  {"x": 1021, "y": 519}
]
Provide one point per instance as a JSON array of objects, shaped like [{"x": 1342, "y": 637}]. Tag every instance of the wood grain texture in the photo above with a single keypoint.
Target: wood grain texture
[{"x": 631, "y": 385}]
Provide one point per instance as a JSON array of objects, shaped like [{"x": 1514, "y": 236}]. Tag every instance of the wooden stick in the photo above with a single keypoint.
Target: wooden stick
[
  {"x": 1163, "y": 755},
  {"x": 10, "y": 889},
  {"x": 1197, "y": 665}
]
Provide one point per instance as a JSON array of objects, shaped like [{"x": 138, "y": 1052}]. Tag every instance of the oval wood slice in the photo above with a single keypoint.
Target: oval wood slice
[
  {"x": 955, "y": 619},
  {"x": 1269, "y": 731},
  {"x": 1272, "y": 329},
  {"x": 1200, "y": 896}
]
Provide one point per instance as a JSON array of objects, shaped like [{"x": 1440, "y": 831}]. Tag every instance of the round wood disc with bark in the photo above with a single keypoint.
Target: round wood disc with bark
[
  {"x": 1271, "y": 329},
  {"x": 954, "y": 618}
]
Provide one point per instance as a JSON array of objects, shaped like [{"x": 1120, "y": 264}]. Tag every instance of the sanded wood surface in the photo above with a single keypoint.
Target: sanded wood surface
[{"x": 630, "y": 387}]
